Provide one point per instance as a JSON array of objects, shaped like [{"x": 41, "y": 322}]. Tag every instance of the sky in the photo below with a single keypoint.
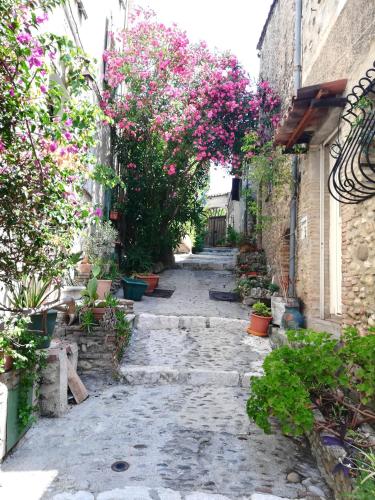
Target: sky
[{"x": 233, "y": 25}]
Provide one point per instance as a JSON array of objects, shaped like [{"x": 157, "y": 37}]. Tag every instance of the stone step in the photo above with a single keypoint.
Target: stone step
[
  {"x": 204, "y": 266},
  {"x": 192, "y": 350},
  {"x": 165, "y": 374},
  {"x": 146, "y": 321},
  {"x": 146, "y": 493}
]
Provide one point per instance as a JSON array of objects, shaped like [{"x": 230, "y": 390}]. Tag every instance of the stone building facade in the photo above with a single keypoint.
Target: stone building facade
[{"x": 335, "y": 277}]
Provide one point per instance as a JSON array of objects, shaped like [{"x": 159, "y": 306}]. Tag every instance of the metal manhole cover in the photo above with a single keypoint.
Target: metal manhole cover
[{"x": 120, "y": 466}]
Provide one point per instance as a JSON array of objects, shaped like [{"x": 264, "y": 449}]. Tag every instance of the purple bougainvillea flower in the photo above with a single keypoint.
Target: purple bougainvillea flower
[
  {"x": 97, "y": 212},
  {"x": 24, "y": 38},
  {"x": 53, "y": 146}
]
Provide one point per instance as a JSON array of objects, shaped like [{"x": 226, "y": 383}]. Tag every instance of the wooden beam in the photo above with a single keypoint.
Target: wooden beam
[{"x": 306, "y": 117}]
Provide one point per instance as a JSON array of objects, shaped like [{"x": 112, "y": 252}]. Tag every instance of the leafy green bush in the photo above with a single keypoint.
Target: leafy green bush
[
  {"x": 261, "y": 309},
  {"x": 314, "y": 367},
  {"x": 233, "y": 237}
]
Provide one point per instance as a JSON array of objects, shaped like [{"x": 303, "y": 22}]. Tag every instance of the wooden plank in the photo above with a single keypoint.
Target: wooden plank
[{"x": 75, "y": 384}]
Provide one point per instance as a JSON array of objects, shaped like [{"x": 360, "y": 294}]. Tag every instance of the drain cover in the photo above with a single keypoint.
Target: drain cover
[{"x": 120, "y": 466}]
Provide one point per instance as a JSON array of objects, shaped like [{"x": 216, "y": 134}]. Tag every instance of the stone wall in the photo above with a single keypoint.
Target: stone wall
[
  {"x": 308, "y": 252},
  {"x": 337, "y": 42},
  {"x": 99, "y": 350},
  {"x": 359, "y": 264},
  {"x": 276, "y": 50}
]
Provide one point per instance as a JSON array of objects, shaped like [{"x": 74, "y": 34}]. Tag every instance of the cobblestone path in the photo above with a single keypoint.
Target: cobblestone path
[{"x": 176, "y": 415}]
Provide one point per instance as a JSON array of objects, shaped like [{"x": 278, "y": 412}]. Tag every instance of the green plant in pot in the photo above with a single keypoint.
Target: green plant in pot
[
  {"x": 70, "y": 289},
  {"x": 103, "y": 285},
  {"x": 96, "y": 307},
  {"x": 260, "y": 319},
  {"x": 30, "y": 295}
]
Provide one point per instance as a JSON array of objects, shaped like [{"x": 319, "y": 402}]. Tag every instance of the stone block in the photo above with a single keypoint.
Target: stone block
[
  {"x": 209, "y": 377},
  {"x": 190, "y": 322},
  {"x": 54, "y": 386},
  {"x": 149, "y": 375},
  {"x": 265, "y": 496},
  {"x": 152, "y": 322},
  {"x": 205, "y": 496},
  {"x": 229, "y": 323},
  {"x": 128, "y": 493},
  {"x": 79, "y": 495}
]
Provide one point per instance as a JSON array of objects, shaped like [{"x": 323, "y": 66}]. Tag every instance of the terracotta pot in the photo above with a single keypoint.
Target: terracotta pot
[
  {"x": 152, "y": 281},
  {"x": 114, "y": 215},
  {"x": 251, "y": 273},
  {"x": 85, "y": 267},
  {"x": 104, "y": 286},
  {"x": 259, "y": 325},
  {"x": 8, "y": 361},
  {"x": 98, "y": 313}
]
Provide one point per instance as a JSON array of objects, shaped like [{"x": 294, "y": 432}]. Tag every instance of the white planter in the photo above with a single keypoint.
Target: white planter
[
  {"x": 278, "y": 308},
  {"x": 73, "y": 292}
]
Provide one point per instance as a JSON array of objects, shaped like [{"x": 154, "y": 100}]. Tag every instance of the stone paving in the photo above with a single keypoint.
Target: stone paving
[
  {"x": 191, "y": 295},
  {"x": 176, "y": 415}
]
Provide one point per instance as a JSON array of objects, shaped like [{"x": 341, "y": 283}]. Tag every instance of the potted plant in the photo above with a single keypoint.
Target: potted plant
[
  {"x": 103, "y": 285},
  {"x": 85, "y": 266},
  {"x": 90, "y": 298},
  {"x": 151, "y": 279},
  {"x": 259, "y": 320},
  {"x": 93, "y": 304},
  {"x": 134, "y": 289},
  {"x": 70, "y": 289},
  {"x": 31, "y": 294}
]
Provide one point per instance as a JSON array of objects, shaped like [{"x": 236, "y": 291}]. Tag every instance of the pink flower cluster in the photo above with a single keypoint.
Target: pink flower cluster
[{"x": 186, "y": 94}]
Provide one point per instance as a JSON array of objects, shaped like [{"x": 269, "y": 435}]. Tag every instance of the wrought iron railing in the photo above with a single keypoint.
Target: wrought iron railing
[{"x": 352, "y": 179}]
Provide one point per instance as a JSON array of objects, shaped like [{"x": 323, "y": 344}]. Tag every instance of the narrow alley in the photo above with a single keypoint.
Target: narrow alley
[{"x": 176, "y": 415}]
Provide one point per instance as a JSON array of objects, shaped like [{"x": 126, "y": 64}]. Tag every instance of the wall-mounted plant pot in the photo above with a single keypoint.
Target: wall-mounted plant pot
[
  {"x": 152, "y": 281},
  {"x": 133, "y": 289},
  {"x": 98, "y": 313},
  {"x": 259, "y": 325},
  {"x": 114, "y": 215},
  {"x": 8, "y": 361},
  {"x": 104, "y": 287},
  {"x": 43, "y": 325},
  {"x": 73, "y": 292}
]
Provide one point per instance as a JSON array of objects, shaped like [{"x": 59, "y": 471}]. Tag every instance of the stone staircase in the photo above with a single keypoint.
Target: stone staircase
[
  {"x": 210, "y": 259},
  {"x": 192, "y": 350}
]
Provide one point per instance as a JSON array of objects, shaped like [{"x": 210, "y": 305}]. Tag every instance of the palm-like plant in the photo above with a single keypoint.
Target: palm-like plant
[{"x": 32, "y": 292}]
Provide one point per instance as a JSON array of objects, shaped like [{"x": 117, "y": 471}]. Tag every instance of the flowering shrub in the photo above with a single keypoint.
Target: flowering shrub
[
  {"x": 45, "y": 136},
  {"x": 176, "y": 107}
]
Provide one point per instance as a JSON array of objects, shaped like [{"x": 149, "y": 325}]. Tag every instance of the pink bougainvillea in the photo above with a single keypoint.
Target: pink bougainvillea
[{"x": 197, "y": 101}]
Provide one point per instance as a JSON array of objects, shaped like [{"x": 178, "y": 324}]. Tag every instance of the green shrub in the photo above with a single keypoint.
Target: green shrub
[
  {"x": 261, "y": 309},
  {"x": 313, "y": 367}
]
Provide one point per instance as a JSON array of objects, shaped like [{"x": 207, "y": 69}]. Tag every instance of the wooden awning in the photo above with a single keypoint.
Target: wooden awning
[{"x": 308, "y": 111}]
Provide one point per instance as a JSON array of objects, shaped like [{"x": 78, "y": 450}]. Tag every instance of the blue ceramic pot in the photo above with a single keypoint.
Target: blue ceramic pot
[{"x": 292, "y": 319}]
